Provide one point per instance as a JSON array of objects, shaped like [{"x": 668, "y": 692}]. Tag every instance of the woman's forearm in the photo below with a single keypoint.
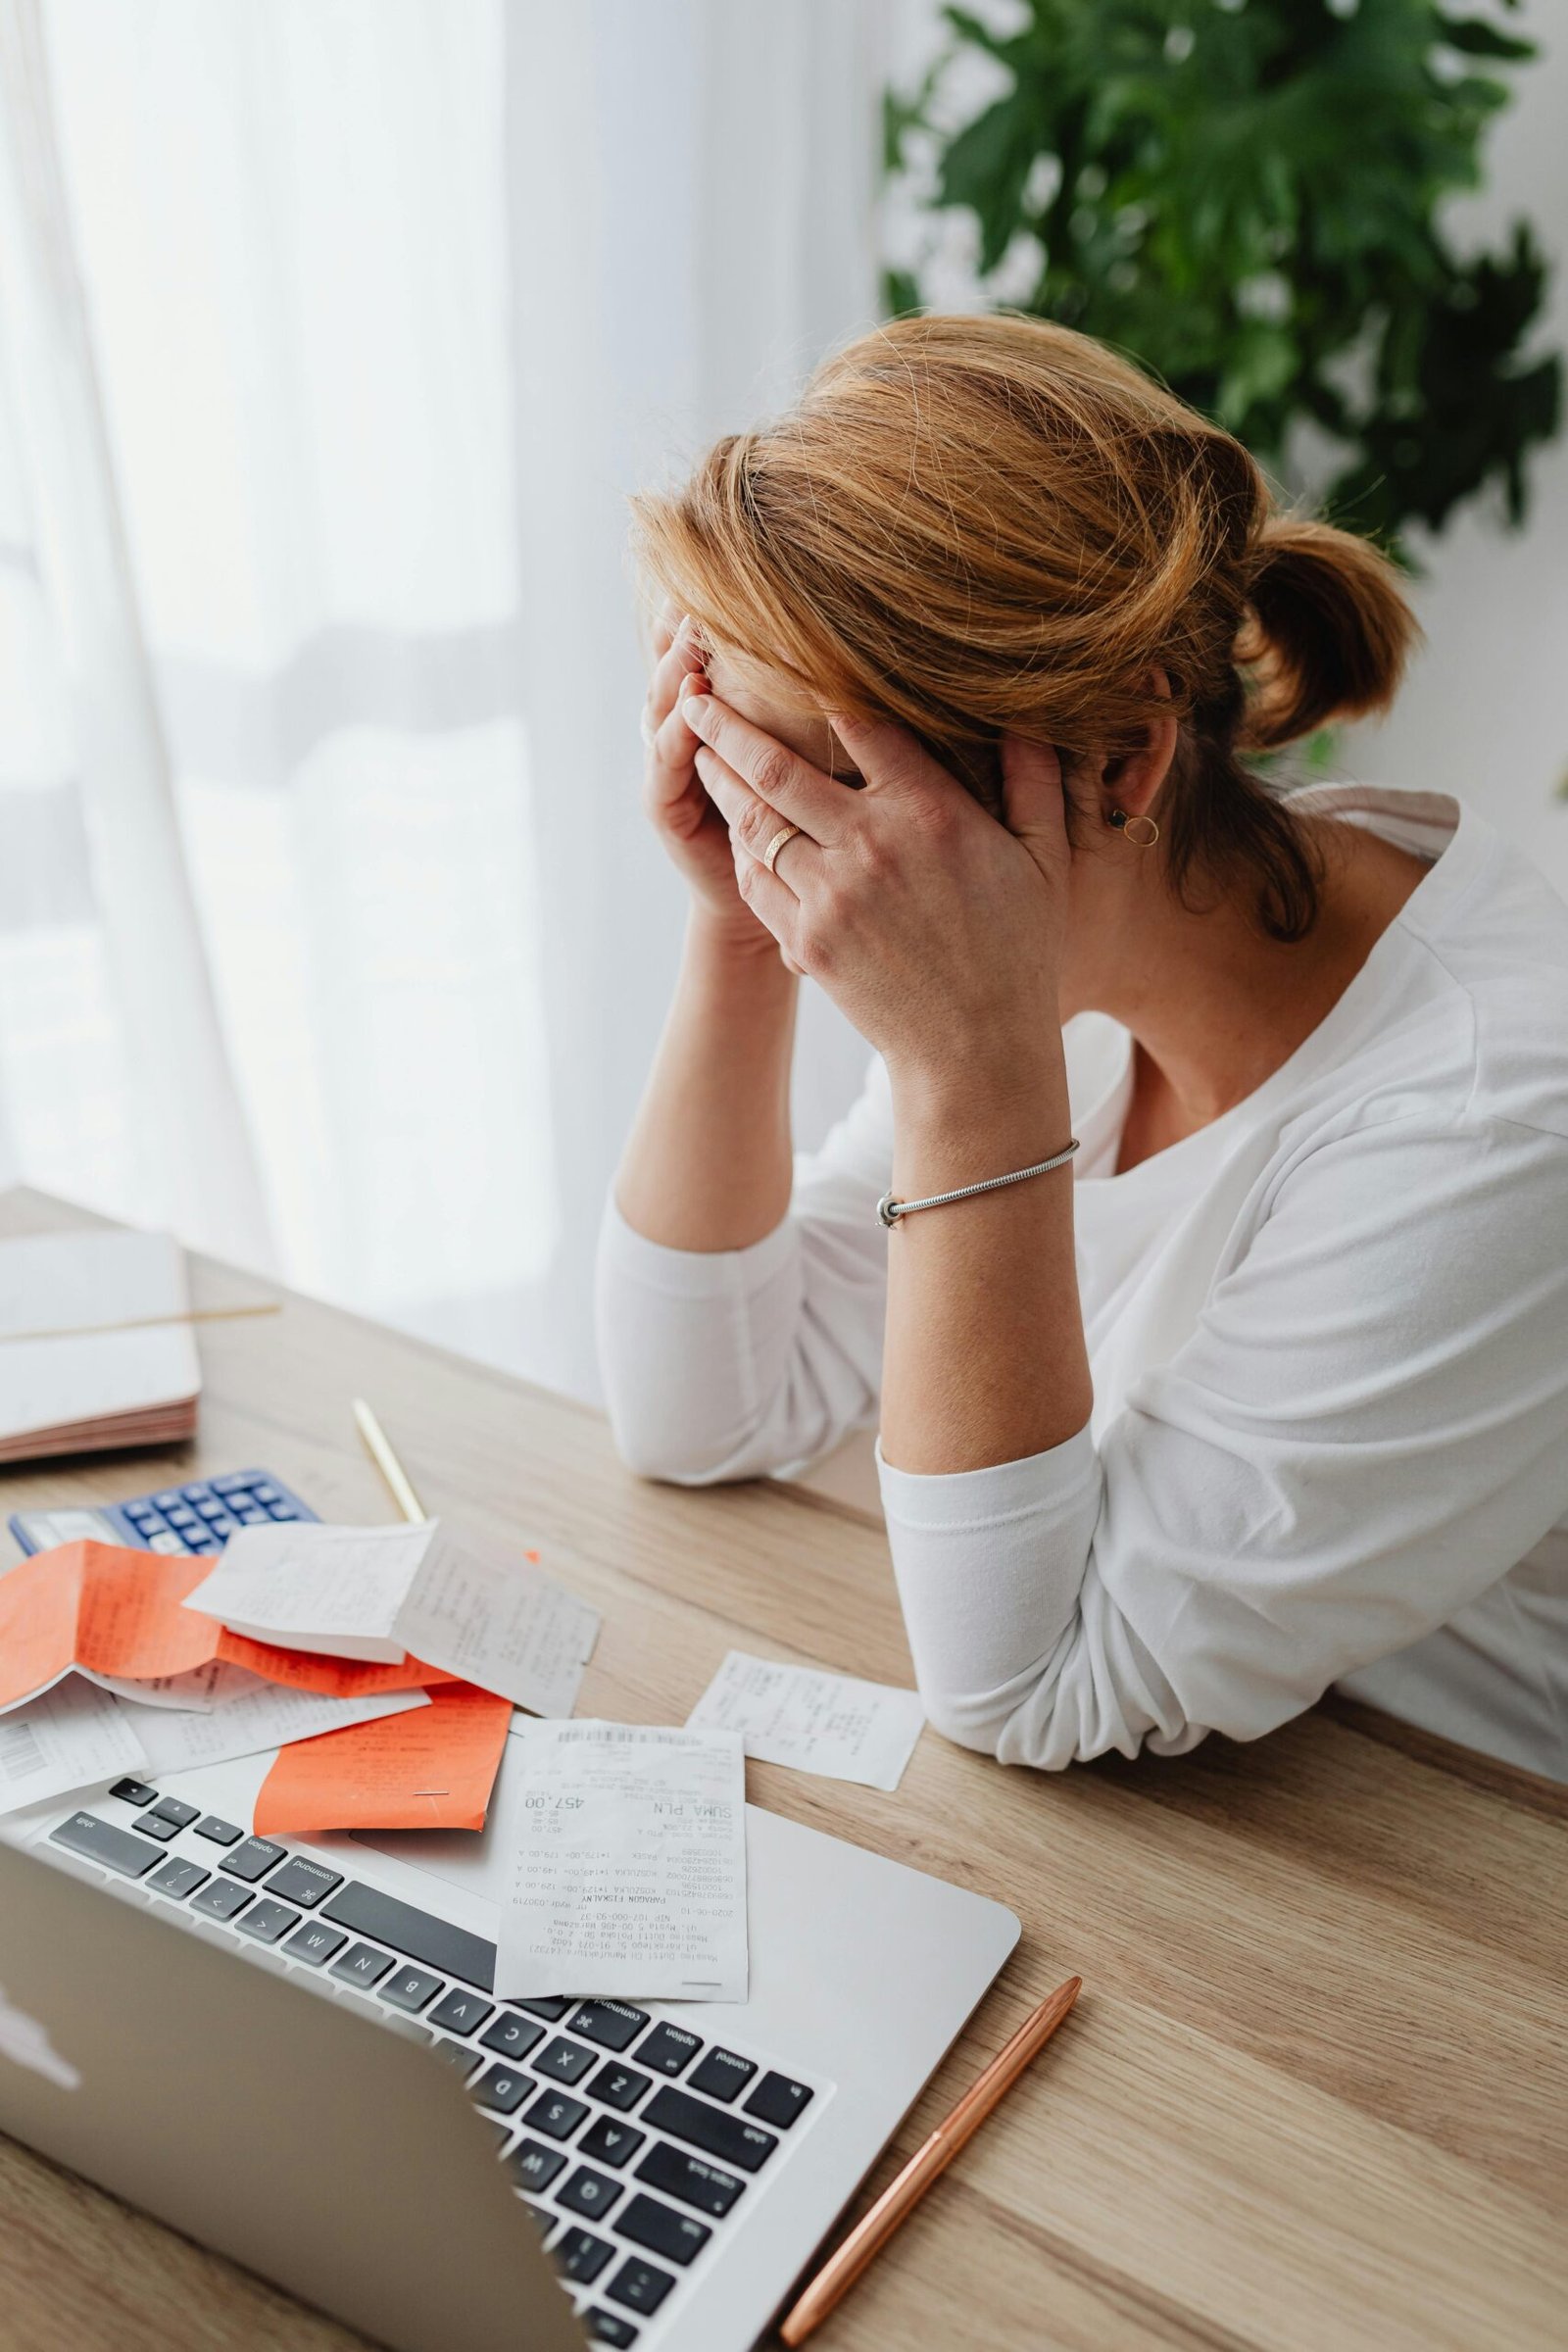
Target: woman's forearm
[
  {"x": 984, "y": 1359},
  {"x": 709, "y": 1164}
]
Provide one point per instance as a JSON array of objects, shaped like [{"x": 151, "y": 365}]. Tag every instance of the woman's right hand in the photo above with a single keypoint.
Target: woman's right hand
[{"x": 691, "y": 829}]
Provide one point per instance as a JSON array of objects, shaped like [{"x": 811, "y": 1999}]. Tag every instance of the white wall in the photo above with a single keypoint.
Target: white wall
[{"x": 1485, "y": 711}]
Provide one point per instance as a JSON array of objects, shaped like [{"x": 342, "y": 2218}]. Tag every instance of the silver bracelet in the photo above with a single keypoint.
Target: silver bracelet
[{"x": 889, "y": 1211}]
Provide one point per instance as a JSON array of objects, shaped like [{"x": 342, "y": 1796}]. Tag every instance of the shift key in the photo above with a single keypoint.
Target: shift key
[
  {"x": 714, "y": 2130},
  {"x": 101, "y": 1841}
]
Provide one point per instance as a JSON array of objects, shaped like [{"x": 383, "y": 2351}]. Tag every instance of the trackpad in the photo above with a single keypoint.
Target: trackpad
[{"x": 476, "y": 1862}]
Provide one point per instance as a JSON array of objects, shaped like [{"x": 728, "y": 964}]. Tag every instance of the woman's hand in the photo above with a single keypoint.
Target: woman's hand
[
  {"x": 683, "y": 816},
  {"x": 935, "y": 929}
]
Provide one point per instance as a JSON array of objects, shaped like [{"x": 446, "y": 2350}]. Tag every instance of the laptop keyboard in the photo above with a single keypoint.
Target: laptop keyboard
[{"x": 634, "y": 2143}]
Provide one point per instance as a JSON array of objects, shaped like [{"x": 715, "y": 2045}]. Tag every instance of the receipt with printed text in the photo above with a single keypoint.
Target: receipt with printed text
[{"x": 628, "y": 1879}]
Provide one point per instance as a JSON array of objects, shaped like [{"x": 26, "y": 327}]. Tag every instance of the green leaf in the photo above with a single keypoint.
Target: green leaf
[{"x": 1477, "y": 38}]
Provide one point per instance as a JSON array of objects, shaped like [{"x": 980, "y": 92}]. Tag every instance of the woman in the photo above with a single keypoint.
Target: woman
[{"x": 1254, "y": 1378}]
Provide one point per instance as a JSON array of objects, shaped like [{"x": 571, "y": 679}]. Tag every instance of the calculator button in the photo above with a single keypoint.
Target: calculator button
[
  {"x": 235, "y": 1483},
  {"x": 221, "y": 1527},
  {"x": 198, "y": 1493},
  {"x": 211, "y": 1508},
  {"x": 266, "y": 1494},
  {"x": 166, "y": 1541},
  {"x": 248, "y": 1514},
  {"x": 172, "y": 1500},
  {"x": 281, "y": 1510}
]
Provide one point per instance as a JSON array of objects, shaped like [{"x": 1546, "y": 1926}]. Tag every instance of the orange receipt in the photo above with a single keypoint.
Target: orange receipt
[
  {"x": 432, "y": 1769},
  {"x": 328, "y": 1678},
  {"x": 103, "y": 1609}
]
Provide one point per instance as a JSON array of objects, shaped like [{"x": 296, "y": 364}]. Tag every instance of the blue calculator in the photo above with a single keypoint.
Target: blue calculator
[{"x": 198, "y": 1517}]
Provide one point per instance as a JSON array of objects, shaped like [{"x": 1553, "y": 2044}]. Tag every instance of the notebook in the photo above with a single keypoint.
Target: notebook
[{"x": 92, "y": 1354}]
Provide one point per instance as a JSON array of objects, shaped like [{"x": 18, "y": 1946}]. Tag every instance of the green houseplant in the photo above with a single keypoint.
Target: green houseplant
[{"x": 1246, "y": 196}]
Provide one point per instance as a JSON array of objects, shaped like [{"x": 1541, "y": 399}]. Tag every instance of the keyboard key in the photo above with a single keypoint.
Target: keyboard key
[
  {"x": 316, "y": 1944},
  {"x": 669, "y": 2049},
  {"x": 100, "y": 1841},
  {"x": 533, "y": 2166},
  {"x": 589, "y": 2192},
  {"x": 361, "y": 1963},
  {"x": 690, "y": 2179},
  {"x": 154, "y": 1824},
  {"x": 619, "y": 2087},
  {"x": 563, "y": 2061},
  {"x": 221, "y": 1900},
  {"x": 514, "y": 2036},
  {"x": 303, "y": 1881},
  {"x": 779, "y": 2101},
  {"x": 554, "y": 2113},
  {"x": 709, "y": 2128},
  {"x": 610, "y": 2142},
  {"x": 253, "y": 1858},
  {"x": 721, "y": 2074},
  {"x": 612, "y": 2023},
  {"x": 219, "y": 1831},
  {"x": 640, "y": 2286},
  {"x": 176, "y": 1877},
  {"x": 410, "y": 1988},
  {"x": 663, "y": 2229},
  {"x": 504, "y": 2088},
  {"x": 459, "y": 2056},
  {"x": 416, "y": 1934},
  {"x": 171, "y": 1808},
  {"x": 551, "y": 2006},
  {"x": 266, "y": 1921},
  {"x": 460, "y": 2012},
  {"x": 608, "y": 2328},
  {"x": 134, "y": 1792},
  {"x": 578, "y": 2254}
]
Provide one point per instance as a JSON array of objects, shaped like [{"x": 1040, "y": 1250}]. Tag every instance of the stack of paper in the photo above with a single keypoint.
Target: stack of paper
[
  {"x": 380, "y": 1595},
  {"x": 382, "y": 1663},
  {"x": 93, "y": 1350}
]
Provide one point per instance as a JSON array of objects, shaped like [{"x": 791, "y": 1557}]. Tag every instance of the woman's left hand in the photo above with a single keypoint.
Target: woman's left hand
[{"x": 937, "y": 931}]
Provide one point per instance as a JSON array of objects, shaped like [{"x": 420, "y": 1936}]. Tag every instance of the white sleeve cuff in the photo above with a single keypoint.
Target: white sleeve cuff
[{"x": 970, "y": 1501}]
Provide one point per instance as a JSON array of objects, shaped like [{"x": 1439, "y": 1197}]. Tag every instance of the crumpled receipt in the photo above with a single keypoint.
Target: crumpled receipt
[{"x": 628, "y": 1879}]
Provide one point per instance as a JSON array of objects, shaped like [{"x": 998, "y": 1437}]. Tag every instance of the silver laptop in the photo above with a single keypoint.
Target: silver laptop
[{"x": 354, "y": 2116}]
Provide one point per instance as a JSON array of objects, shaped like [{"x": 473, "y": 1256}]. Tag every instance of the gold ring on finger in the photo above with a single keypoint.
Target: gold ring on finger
[{"x": 770, "y": 853}]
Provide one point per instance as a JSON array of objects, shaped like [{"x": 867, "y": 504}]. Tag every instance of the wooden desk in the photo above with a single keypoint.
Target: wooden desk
[{"x": 1314, "y": 2096}]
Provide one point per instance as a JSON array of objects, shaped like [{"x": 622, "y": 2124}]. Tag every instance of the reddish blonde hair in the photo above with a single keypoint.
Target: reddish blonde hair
[{"x": 981, "y": 524}]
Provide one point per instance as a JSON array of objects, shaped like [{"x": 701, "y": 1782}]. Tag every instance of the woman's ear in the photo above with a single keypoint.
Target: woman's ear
[{"x": 1132, "y": 781}]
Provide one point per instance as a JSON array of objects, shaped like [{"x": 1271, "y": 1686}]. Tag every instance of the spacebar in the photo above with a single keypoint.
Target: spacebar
[{"x": 419, "y": 1934}]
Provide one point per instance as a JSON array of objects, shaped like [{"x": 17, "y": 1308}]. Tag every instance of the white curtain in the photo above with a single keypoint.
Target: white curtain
[{"x": 329, "y": 929}]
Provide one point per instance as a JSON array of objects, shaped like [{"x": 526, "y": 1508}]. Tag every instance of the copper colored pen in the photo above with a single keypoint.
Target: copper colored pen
[{"x": 901, "y": 2195}]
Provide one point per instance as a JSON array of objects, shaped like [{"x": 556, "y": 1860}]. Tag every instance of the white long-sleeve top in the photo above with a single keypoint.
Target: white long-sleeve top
[{"x": 1328, "y": 1340}]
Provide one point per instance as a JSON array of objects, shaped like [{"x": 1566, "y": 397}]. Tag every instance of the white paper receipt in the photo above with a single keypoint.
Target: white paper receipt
[
  {"x": 823, "y": 1722},
  {"x": 379, "y": 1593},
  {"x": 628, "y": 1879}
]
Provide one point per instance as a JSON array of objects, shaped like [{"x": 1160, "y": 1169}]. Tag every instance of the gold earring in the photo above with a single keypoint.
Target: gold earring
[{"x": 1124, "y": 824}]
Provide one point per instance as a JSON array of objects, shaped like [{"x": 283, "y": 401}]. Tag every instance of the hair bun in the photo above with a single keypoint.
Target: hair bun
[{"x": 1330, "y": 632}]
